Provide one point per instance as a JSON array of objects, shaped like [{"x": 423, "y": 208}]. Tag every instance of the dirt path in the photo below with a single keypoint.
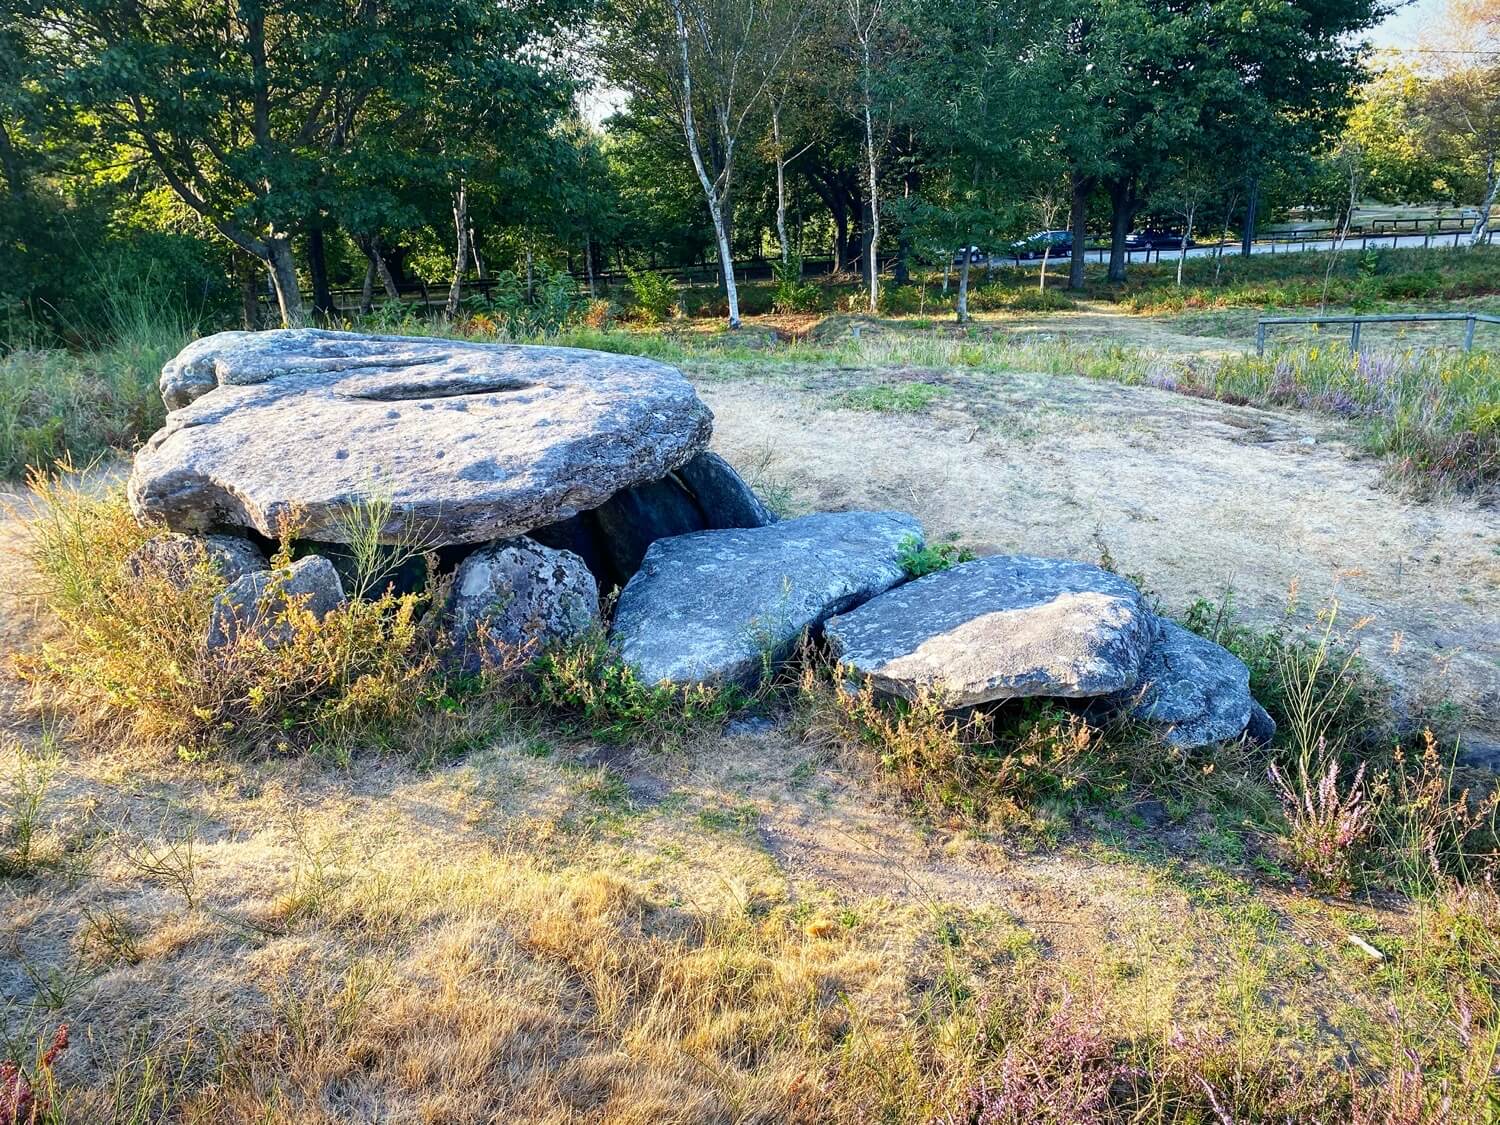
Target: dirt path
[{"x": 1193, "y": 496}]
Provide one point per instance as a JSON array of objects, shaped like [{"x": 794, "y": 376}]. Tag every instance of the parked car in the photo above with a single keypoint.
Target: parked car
[
  {"x": 977, "y": 257},
  {"x": 1152, "y": 239},
  {"x": 1035, "y": 245}
]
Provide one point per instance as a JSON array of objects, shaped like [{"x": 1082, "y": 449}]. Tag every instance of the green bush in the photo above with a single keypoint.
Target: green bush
[
  {"x": 653, "y": 295},
  {"x": 918, "y": 559},
  {"x": 790, "y": 293},
  {"x": 553, "y": 304}
]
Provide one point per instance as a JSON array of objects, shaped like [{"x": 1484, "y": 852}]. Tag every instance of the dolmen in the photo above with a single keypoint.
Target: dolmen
[{"x": 541, "y": 478}]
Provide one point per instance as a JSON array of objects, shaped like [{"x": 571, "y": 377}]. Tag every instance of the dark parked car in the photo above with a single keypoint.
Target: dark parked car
[
  {"x": 977, "y": 257},
  {"x": 1035, "y": 245},
  {"x": 1150, "y": 239}
]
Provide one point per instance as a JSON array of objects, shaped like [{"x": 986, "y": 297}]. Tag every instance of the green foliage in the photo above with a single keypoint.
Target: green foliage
[
  {"x": 553, "y": 303},
  {"x": 901, "y": 398},
  {"x": 918, "y": 558},
  {"x": 132, "y": 653},
  {"x": 56, "y": 404},
  {"x": 1009, "y": 298},
  {"x": 653, "y": 295},
  {"x": 587, "y": 683},
  {"x": 790, "y": 293},
  {"x": 25, "y": 777}
]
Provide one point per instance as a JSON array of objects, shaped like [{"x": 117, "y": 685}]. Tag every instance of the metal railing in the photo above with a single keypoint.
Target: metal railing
[{"x": 1357, "y": 322}]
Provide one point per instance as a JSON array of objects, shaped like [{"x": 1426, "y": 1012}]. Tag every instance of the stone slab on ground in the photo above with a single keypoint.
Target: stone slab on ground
[
  {"x": 1196, "y": 690},
  {"x": 469, "y": 442},
  {"x": 706, "y": 607},
  {"x": 1000, "y": 627}
]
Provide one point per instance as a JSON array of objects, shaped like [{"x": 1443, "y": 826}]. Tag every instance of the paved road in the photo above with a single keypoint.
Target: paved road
[{"x": 1447, "y": 240}]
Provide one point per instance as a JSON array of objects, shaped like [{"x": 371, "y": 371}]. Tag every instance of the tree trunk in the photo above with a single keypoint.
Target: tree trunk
[
  {"x": 10, "y": 165},
  {"x": 383, "y": 268},
  {"x": 873, "y": 258},
  {"x": 1482, "y": 223},
  {"x": 1219, "y": 249},
  {"x": 317, "y": 266},
  {"x": 588, "y": 265},
  {"x": 461, "y": 253},
  {"x": 283, "y": 268},
  {"x": 249, "y": 295},
  {"x": 1187, "y": 233},
  {"x": 1041, "y": 282},
  {"x": 1078, "y": 215},
  {"x": 479, "y": 270},
  {"x": 1252, "y": 204},
  {"x": 963, "y": 285},
  {"x": 367, "y": 290},
  {"x": 715, "y": 211},
  {"x": 786, "y": 246},
  {"x": 1122, "y": 208}
]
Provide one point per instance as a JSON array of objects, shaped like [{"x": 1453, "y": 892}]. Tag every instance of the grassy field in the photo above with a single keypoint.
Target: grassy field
[
  {"x": 337, "y": 882},
  {"x": 346, "y": 885}
]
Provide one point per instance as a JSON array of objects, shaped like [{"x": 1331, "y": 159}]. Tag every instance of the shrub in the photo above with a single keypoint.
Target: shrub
[
  {"x": 903, "y": 300},
  {"x": 982, "y": 765},
  {"x": 918, "y": 558},
  {"x": 995, "y": 298},
  {"x": 507, "y": 308},
  {"x": 587, "y": 683},
  {"x": 791, "y": 294},
  {"x": 653, "y": 294},
  {"x": 133, "y": 655}
]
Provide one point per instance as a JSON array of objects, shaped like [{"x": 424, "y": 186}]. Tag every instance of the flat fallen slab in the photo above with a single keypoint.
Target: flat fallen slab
[
  {"x": 712, "y": 607},
  {"x": 468, "y": 442},
  {"x": 1001, "y": 627}
]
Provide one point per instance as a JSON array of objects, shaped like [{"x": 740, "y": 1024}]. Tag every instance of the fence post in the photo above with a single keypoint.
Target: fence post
[
  {"x": 1260, "y": 337},
  {"x": 1354, "y": 337},
  {"x": 1469, "y": 333}
]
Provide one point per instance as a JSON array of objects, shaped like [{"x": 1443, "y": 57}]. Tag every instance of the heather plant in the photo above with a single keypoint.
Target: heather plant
[{"x": 1328, "y": 825}]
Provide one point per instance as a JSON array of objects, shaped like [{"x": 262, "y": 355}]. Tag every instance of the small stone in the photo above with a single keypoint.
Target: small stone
[
  {"x": 173, "y": 557},
  {"x": 1261, "y": 728},
  {"x": 259, "y": 602},
  {"x": 513, "y": 597}
]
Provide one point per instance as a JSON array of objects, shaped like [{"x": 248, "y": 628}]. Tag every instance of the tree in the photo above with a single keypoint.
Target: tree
[
  {"x": 705, "y": 64},
  {"x": 250, "y": 110},
  {"x": 970, "y": 91},
  {"x": 1463, "y": 100},
  {"x": 865, "y": 20}
]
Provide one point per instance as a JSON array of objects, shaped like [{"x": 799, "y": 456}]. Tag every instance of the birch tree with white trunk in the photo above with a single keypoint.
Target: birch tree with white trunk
[{"x": 865, "y": 18}]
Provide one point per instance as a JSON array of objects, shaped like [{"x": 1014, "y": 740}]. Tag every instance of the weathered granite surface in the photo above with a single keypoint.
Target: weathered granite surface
[
  {"x": 712, "y": 606},
  {"x": 470, "y": 442}
]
